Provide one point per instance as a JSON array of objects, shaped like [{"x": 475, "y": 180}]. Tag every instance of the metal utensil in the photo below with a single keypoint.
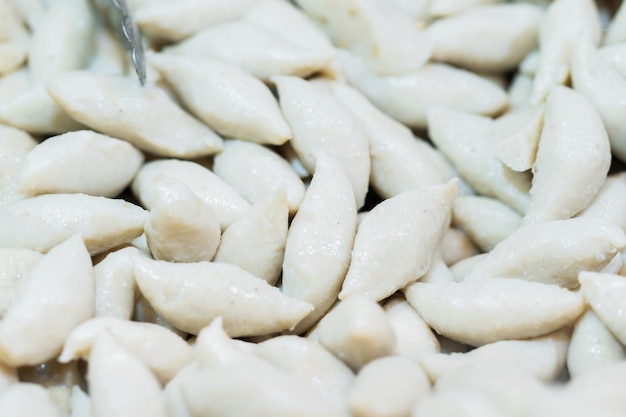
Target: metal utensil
[{"x": 133, "y": 39}]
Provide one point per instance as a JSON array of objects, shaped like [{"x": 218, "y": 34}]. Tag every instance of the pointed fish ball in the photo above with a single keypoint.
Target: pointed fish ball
[
  {"x": 227, "y": 99},
  {"x": 592, "y": 346},
  {"x": 257, "y": 172},
  {"x": 614, "y": 55},
  {"x": 80, "y": 403},
  {"x": 438, "y": 271},
  {"x": 388, "y": 387},
  {"x": 487, "y": 221},
  {"x": 455, "y": 246},
  {"x": 225, "y": 202},
  {"x": 513, "y": 120},
  {"x": 13, "y": 25},
  {"x": 413, "y": 336},
  {"x": 519, "y": 91},
  {"x": 109, "y": 55},
  {"x": 288, "y": 152},
  {"x": 255, "y": 49},
  {"x": 14, "y": 146},
  {"x": 29, "y": 11},
  {"x": 35, "y": 112},
  {"x": 27, "y": 399},
  {"x": 144, "y": 116},
  {"x": 398, "y": 161},
  {"x": 488, "y": 38},
  {"x": 13, "y": 84},
  {"x": 357, "y": 331},
  {"x": 463, "y": 267},
  {"x": 528, "y": 66},
  {"x": 595, "y": 391},
  {"x": 14, "y": 40},
  {"x": 149, "y": 342},
  {"x": 13, "y": 53},
  {"x": 321, "y": 122},
  {"x": 56, "y": 298},
  {"x": 256, "y": 242},
  {"x": 457, "y": 403},
  {"x": 415, "y": 8},
  {"x": 616, "y": 31},
  {"x": 610, "y": 201},
  {"x": 80, "y": 162},
  {"x": 175, "y": 21},
  {"x": 191, "y": 295},
  {"x": 174, "y": 400},
  {"x": 141, "y": 244},
  {"x": 605, "y": 89},
  {"x": 562, "y": 24},
  {"x": 321, "y": 235},
  {"x": 573, "y": 137},
  {"x": 442, "y": 8},
  {"x": 469, "y": 142},
  {"x": 605, "y": 295},
  {"x": 61, "y": 396},
  {"x": 408, "y": 97},
  {"x": 386, "y": 38},
  {"x": 312, "y": 363},
  {"x": 15, "y": 268},
  {"x": 115, "y": 284},
  {"x": 614, "y": 266},
  {"x": 395, "y": 243},
  {"x": 63, "y": 39},
  {"x": 181, "y": 227},
  {"x": 11, "y": 20},
  {"x": 553, "y": 252},
  {"x": 477, "y": 312},
  {"x": 519, "y": 149},
  {"x": 144, "y": 313},
  {"x": 214, "y": 348},
  {"x": 599, "y": 390},
  {"x": 120, "y": 384},
  {"x": 542, "y": 357},
  {"x": 44, "y": 221},
  {"x": 513, "y": 390},
  {"x": 134, "y": 5},
  {"x": 289, "y": 21},
  {"x": 266, "y": 390}
]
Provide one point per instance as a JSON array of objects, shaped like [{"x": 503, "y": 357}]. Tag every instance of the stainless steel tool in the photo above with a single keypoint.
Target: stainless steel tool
[{"x": 133, "y": 39}]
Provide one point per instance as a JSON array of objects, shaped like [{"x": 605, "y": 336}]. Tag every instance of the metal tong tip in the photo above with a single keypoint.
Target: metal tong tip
[{"x": 133, "y": 39}]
